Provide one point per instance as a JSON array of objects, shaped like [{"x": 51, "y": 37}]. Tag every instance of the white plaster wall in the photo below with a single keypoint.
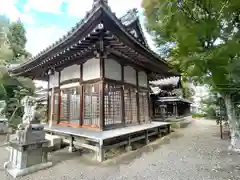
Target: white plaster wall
[
  {"x": 53, "y": 80},
  {"x": 91, "y": 69},
  {"x": 71, "y": 72},
  {"x": 113, "y": 70},
  {"x": 130, "y": 75},
  {"x": 142, "y": 79}
]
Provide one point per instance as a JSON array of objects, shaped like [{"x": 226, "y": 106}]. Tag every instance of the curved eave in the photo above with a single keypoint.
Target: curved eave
[
  {"x": 61, "y": 42},
  {"x": 141, "y": 32},
  {"x": 127, "y": 38},
  {"x": 112, "y": 23}
]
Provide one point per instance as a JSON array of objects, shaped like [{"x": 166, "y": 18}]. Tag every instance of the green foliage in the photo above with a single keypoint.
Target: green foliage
[
  {"x": 206, "y": 38},
  {"x": 12, "y": 90},
  {"x": 198, "y": 115},
  {"x": 3, "y": 93},
  {"x": 12, "y": 42},
  {"x": 42, "y": 112},
  {"x": 17, "y": 39},
  {"x": 12, "y": 50},
  {"x": 4, "y": 24},
  {"x": 186, "y": 92},
  {"x": 6, "y": 54}
]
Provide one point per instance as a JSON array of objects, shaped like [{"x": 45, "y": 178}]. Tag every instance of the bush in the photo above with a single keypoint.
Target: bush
[{"x": 198, "y": 115}]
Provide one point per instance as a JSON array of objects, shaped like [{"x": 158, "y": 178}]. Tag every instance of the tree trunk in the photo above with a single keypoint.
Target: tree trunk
[{"x": 233, "y": 123}]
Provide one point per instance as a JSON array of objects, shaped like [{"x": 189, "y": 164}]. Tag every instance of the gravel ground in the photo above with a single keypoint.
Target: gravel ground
[{"x": 193, "y": 153}]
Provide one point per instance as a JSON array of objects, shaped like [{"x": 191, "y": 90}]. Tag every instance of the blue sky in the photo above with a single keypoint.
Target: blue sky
[{"x": 47, "y": 20}]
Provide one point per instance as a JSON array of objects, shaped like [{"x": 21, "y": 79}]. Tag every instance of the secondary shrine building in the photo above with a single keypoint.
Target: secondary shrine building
[{"x": 98, "y": 73}]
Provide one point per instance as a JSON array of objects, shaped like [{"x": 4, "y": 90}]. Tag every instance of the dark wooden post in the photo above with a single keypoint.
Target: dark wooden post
[
  {"x": 122, "y": 97},
  {"x": 48, "y": 100},
  {"x": 102, "y": 104},
  {"x": 175, "y": 113},
  {"x": 176, "y": 106},
  {"x": 81, "y": 96},
  {"x": 59, "y": 98},
  {"x": 150, "y": 114},
  {"x": 137, "y": 96},
  {"x": 102, "y": 56}
]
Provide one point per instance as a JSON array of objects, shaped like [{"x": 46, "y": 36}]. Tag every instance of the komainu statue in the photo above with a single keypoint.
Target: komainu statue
[
  {"x": 30, "y": 113},
  {"x": 2, "y": 107}
]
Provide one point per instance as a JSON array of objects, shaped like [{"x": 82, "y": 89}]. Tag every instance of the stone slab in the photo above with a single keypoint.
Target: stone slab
[{"x": 15, "y": 172}]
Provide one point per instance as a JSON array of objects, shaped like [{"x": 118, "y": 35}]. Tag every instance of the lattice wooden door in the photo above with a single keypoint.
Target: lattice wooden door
[{"x": 113, "y": 105}]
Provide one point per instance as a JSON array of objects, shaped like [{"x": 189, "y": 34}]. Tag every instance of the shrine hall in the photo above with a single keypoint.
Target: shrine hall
[{"x": 98, "y": 73}]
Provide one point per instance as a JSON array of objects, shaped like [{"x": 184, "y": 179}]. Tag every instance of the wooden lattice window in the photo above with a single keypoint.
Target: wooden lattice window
[
  {"x": 143, "y": 106},
  {"x": 113, "y": 105},
  {"x": 70, "y": 105},
  {"x": 130, "y": 101},
  {"x": 91, "y": 105},
  {"x": 55, "y": 106}
]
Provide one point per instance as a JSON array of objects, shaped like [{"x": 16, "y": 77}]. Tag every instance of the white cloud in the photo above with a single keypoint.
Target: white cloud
[
  {"x": 8, "y": 8},
  {"x": 27, "y": 18},
  {"x": 121, "y": 7},
  {"x": 77, "y": 8},
  {"x": 40, "y": 38},
  {"x": 49, "y": 6}
]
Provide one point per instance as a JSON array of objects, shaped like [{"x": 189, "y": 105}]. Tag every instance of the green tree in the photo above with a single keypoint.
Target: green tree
[
  {"x": 4, "y": 25},
  {"x": 205, "y": 35},
  {"x": 12, "y": 90},
  {"x": 6, "y": 54},
  {"x": 186, "y": 91},
  {"x": 17, "y": 39}
]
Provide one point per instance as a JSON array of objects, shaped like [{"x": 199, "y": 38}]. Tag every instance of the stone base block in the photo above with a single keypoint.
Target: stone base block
[
  {"x": 55, "y": 141},
  {"x": 15, "y": 172},
  {"x": 128, "y": 148}
]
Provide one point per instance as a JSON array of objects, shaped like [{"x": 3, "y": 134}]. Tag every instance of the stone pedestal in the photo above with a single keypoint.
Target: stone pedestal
[
  {"x": 28, "y": 152},
  {"x": 3, "y": 125}
]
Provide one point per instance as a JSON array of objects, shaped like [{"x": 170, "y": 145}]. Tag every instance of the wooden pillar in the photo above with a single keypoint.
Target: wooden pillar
[
  {"x": 175, "y": 110},
  {"x": 52, "y": 103},
  {"x": 122, "y": 97},
  {"x": 150, "y": 113},
  {"x": 102, "y": 106},
  {"x": 81, "y": 97},
  {"x": 137, "y": 96},
  {"x": 48, "y": 100},
  {"x": 162, "y": 110},
  {"x": 59, "y": 98},
  {"x": 102, "y": 56},
  {"x": 146, "y": 137},
  {"x": 153, "y": 106}
]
